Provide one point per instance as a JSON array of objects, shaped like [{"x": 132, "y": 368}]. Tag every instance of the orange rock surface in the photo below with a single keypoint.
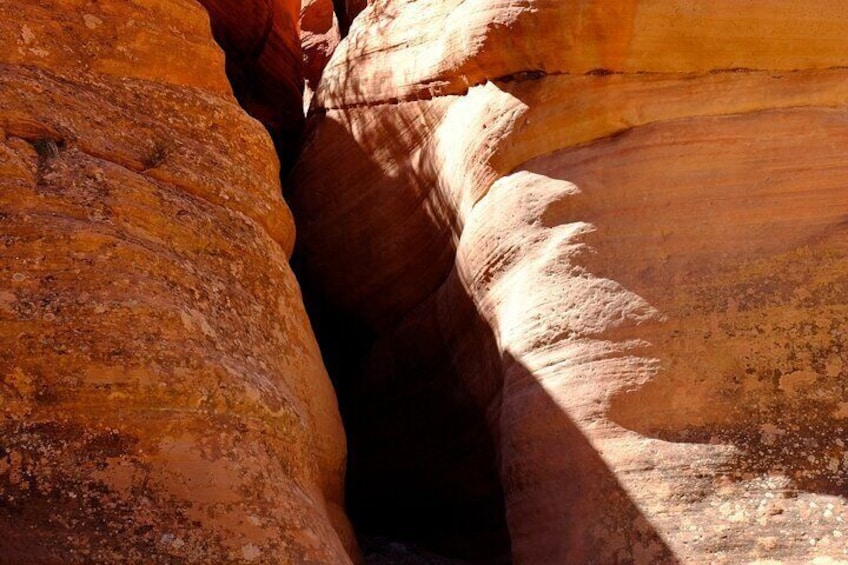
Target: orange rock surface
[
  {"x": 612, "y": 239},
  {"x": 163, "y": 399},
  {"x": 260, "y": 38}
]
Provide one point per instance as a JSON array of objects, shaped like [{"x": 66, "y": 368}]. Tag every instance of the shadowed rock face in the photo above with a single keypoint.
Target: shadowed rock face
[
  {"x": 319, "y": 34},
  {"x": 262, "y": 46},
  {"x": 163, "y": 399},
  {"x": 598, "y": 251},
  {"x": 579, "y": 268}
]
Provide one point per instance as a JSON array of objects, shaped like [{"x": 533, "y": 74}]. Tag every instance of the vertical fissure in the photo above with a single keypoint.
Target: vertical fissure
[{"x": 423, "y": 482}]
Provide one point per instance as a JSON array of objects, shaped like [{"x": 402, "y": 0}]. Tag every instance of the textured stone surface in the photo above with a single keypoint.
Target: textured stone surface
[
  {"x": 613, "y": 238},
  {"x": 260, "y": 38},
  {"x": 163, "y": 399},
  {"x": 319, "y": 36}
]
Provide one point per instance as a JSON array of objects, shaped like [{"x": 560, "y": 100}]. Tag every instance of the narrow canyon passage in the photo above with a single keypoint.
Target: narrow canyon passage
[
  {"x": 422, "y": 466},
  {"x": 506, "y": 325},
  {"x": 570, "y": 282}
]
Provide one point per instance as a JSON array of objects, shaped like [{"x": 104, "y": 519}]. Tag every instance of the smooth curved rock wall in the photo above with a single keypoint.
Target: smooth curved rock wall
[{"x": 640, "y": 209}]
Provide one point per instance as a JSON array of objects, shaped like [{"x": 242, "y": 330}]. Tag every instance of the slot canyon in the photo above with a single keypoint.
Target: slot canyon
[{"x": 423, "y": 282}]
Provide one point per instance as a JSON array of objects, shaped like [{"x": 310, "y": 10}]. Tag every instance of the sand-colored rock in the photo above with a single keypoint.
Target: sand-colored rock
[
  {"x": 440, "y": 47},
  {"x": 163, "y": 399},
  {"x": 615, "y": 235}
]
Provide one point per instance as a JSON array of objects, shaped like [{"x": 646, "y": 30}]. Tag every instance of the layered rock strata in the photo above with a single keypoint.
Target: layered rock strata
[
  {"x": 601, "y": 249},
  {"x": 264, "y": 65},
  {"x": 163, "y": 398}
]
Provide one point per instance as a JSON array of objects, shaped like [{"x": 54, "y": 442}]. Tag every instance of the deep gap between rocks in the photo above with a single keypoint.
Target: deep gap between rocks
[
  {"x": 423, "y": 474},
  {"x": 423, "y": 482}
]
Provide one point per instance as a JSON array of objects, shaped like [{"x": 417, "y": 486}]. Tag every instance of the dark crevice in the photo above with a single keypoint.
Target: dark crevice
[
  {"x": 266, "y": 76},
  {"x": 253, "y": 54},
  {"x": 340, "y": 8},
  {"x": 423, "y": 475},
  {"x": 423, "y": 481},
  {"x": 522, "y": 76},
  {"x": 346, "y": 11},
  {"x": 600, "y": 72},
  {"x": 47, "y": 150}
]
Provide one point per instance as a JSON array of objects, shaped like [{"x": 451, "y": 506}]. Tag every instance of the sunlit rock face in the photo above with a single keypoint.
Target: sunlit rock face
[
  {"x": 163, "y": 398},
  {"x": 593, "y": 261}
]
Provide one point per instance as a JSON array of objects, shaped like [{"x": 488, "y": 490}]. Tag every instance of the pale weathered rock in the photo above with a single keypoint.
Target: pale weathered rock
[
  {"x": 163, "y": 399},
  {"x": 614, "y": 235}
]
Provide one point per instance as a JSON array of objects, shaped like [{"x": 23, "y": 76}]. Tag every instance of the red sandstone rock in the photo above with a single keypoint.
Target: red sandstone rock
[
  {"x": 614, "y": 233},
  {"x": 264, "y": 64},
  {"x": 319, "y": 37},
  {"x": 163, "y": 398}
]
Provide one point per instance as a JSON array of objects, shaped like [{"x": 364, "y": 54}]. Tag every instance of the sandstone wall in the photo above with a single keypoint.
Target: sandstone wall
[
  {"x": 264, "y": 64},
  {"x": 613, "y": 233},
  {"x": 319, "y": 33},
  {"x": 163, "y": 398}
]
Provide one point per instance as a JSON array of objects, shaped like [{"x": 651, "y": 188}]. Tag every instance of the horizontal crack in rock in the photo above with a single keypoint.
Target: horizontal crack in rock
[{"x": 536, "y": 74}]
